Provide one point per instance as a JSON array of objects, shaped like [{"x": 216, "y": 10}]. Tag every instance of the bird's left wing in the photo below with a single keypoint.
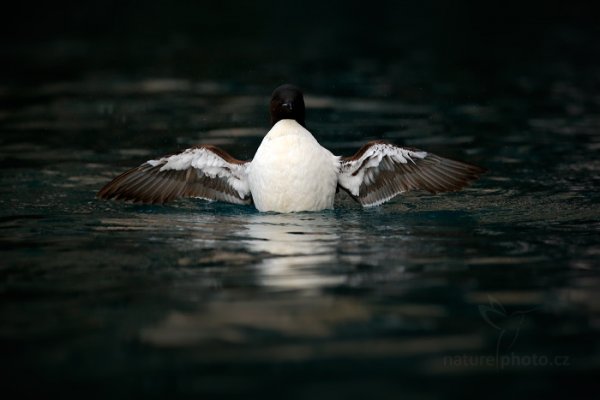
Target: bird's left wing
[
  {"x": 380, "y": 170},
  {"x": 206, "y": 172}
]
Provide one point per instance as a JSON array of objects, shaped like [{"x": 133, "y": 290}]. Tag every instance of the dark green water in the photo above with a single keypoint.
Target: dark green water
[{"x": 490, "y": 292}]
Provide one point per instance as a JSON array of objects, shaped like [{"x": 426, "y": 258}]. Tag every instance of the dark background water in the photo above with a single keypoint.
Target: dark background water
[{"x": 490, "y": 292}]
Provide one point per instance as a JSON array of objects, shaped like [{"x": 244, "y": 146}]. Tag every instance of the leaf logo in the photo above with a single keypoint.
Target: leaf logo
[{"x": 509, "y": 325}]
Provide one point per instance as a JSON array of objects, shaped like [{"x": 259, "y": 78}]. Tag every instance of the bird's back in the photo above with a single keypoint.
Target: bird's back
[{"x": 292, "y": 172}]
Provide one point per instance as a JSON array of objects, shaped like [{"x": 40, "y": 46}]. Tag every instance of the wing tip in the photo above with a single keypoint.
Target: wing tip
[
  {"x": 132, "y": 200},
  {"x": 113, "y": 191}
]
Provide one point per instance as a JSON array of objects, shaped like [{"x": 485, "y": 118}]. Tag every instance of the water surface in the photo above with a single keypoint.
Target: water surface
[{"x": 491, "y": 291}]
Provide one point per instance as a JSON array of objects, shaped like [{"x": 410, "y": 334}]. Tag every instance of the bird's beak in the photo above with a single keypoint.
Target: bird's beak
[{"x": 287, "y": 106}]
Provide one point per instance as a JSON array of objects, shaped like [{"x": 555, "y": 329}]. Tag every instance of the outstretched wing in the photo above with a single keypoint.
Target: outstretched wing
[
  {"x": 204, "y": 171},
  {"x": 380, "y": 170}
]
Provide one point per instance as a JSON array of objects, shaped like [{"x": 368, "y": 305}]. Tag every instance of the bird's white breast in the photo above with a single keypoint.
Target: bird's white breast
[{"x": 292, "y": 172}]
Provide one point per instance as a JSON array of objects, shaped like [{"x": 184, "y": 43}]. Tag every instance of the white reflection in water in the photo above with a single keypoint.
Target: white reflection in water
[
  {"x": 290, "y": 251},
  {"x": 294, "y": 245},
  {"x": 291, "y": 234}
]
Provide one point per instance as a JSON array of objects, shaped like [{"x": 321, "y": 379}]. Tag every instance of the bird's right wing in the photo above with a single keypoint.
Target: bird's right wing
[
  {"x": 379, "y": 171},
  {"x": 206, "y": 172}
]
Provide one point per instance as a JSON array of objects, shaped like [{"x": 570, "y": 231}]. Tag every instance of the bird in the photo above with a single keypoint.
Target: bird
[{"x": 290, "y": 171}]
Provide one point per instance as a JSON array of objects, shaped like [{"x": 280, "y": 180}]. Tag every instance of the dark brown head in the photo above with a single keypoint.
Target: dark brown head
[{"x": 287, "y": 102}]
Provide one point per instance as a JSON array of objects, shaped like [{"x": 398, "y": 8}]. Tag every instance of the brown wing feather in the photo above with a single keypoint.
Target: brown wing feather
[
  {"x": 149, "y": 184},
  {"x": 390, "y": 177}
]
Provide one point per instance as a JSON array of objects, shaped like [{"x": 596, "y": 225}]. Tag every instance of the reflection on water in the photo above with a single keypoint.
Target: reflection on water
[
  {"x": 298, "y": 234},
  {"x": 234, "y": 321},
  {"x": 295, "y": 246}
]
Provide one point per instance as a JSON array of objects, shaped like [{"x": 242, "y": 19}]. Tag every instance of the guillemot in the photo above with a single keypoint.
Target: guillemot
[{"x": 290, "y": 171}]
